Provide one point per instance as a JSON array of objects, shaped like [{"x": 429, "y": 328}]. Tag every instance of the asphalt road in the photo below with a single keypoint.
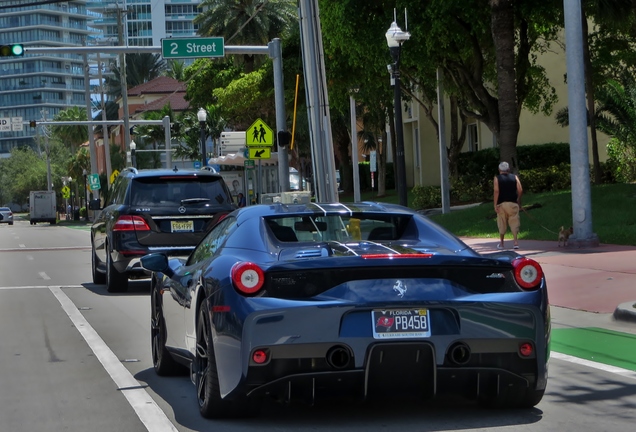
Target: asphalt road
[{"x": 76, "y": 358}]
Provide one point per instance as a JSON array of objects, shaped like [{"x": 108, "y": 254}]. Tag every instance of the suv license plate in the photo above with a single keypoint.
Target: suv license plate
[
  {"x": 401, "y": 323},
  {"x": 181, "y": 226}
]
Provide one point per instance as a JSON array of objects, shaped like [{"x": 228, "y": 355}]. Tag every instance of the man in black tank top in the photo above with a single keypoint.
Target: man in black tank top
[{"x": 507, "y": 201}]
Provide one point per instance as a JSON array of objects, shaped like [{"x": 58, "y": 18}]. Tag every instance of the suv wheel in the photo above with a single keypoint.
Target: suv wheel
[
  {"x": 98, "y": 277},
  {"x": 115, "y": 281}
]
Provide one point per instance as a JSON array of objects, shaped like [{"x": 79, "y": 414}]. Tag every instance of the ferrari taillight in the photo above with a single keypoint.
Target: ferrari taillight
[
  {"x": 248, "y": 278},
  {"x": 528, "y": 273},
  {"x": 130, "y": 223}
]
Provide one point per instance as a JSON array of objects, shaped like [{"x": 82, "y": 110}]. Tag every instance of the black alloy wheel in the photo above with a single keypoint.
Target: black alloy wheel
[
  {"x": 163, "y": 362},
  {"x": 115, "y": 281}
]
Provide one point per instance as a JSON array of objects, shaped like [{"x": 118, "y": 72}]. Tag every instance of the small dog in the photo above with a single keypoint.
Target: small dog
[{"x": 564, "y": 235}]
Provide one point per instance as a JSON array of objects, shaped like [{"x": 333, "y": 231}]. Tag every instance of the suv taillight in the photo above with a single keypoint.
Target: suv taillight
[{"x": 131, "y": 223}]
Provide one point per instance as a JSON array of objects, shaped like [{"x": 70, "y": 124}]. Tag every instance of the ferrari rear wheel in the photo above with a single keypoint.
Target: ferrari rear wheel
[
  {"x": 211, "y": 405},
  {"x": 162, "y": 361},
  {"x": 115, "y": 281}
]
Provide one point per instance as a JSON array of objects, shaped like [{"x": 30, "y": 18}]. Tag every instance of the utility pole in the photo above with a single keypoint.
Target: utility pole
[
  {"x": 122, "y": 71},
  {"x": 47, "y": 150},
  {"x": 89, "y": 111},
  {"x": 106, "y": 138}
]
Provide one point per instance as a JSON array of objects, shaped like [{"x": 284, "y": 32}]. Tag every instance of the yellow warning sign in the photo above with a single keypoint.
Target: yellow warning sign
[
  {"x": 260, "y": 153},
  {"x": 259, "y": 135},
  {"x": 113, "y": 175}
]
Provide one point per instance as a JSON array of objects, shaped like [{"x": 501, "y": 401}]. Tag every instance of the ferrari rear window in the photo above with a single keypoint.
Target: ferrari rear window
[{"x": 338, "y": 227}]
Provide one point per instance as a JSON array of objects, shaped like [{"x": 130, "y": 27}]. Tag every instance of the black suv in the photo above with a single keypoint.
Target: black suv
[{"x": 153, "y": 211}]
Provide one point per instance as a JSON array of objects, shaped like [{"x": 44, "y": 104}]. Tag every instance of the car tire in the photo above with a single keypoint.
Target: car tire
[
  {"x": 211, "y": 405},
  {"x": 115, "y": 281},
  {"x": 10, "y": 223},
  {"x": 162, "y": 361},
  {"x": 98, "y": 277}
]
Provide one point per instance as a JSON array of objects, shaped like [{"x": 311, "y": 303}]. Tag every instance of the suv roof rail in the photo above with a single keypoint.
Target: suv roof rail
[
  {"x": 131, "y": 169},
  {"x": 209, "y": 168}
]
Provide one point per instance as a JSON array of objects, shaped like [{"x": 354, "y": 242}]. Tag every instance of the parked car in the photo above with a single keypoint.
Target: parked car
[
  {"x": 6, "y": 215},
  {"x": 153, "y": 211},
  {"x": 367, "y": 300}
]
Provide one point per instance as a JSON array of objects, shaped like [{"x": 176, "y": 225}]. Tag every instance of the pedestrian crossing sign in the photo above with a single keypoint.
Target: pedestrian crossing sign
[{"x": 259, "y": 135}]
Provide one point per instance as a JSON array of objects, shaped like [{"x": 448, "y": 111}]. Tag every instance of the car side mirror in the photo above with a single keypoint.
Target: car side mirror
[
  {"x": 94, "y": 204},
  {"x": 157, "y": 262}
]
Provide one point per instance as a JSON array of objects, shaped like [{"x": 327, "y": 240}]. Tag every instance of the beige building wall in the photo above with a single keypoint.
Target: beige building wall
[{"x": 422, "y": 148}]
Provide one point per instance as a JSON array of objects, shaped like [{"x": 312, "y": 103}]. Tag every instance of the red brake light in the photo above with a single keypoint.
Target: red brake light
[
  {"x": 528, "y": 273},
  {"x": 131, "y": 223},
  {"x": 248, "y": 278},
  {"x": 260, "y": 356},
  {"x": 391, "y": 256},
  {"x": 526, "y": 349}
]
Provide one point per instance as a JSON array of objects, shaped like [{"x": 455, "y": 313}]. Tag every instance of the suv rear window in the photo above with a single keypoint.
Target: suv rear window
[{"x": 168, "y": 190}]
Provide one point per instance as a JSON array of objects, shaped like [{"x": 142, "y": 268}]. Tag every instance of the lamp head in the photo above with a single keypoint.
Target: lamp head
[
  {"x": 395, "y": 36},
  {"x": 202, "y": 115}
]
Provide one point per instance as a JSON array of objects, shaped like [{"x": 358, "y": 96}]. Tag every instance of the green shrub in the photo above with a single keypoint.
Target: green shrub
[
  {"x": 427, "y": 197},
  {"x": 622, "y": 159}
]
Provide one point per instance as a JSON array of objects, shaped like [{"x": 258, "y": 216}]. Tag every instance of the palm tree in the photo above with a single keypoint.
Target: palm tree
[
  {"x": 175, "y": 69},
  {"x": 140, "y": 68},
  {"x": 246, "y": 22},
  {"x": 74, "y": 135}
]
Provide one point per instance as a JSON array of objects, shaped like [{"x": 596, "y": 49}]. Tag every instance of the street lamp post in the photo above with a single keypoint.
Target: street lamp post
[
  {"x": 85, "y": 173},
  {"x": 202, "y": 115},
  {"x": 395, "y": 37},
  {"x": 133, "y": 154}
]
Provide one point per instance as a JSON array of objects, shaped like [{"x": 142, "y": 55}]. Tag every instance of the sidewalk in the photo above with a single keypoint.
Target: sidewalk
[{"x": 601, "y": 279}]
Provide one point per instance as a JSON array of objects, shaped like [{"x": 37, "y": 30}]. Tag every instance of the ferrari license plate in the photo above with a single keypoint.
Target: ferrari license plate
[
  {"x": 181, "y": 226},
  {"x": 401, "y": 323}
]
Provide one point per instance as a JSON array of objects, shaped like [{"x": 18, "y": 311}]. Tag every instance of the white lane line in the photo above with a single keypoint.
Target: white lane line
[
  {"x": 153, "y": 418},
  {"x": 36, "y": 287},
  {"x": 22, "y": 245},
  {"x": 44, "y": 276},
  {"x": 600, "y": 366}
]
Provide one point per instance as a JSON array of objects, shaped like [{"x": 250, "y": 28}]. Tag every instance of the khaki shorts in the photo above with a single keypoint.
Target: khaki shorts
[{"x": 508, "y": 214}]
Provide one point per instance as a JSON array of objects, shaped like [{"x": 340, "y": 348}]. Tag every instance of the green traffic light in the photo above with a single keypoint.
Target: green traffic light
[{"x": 17, "y": 50}]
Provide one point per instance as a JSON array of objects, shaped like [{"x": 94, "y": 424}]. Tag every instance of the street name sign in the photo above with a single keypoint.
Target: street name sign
[
  {"x": 248, "y": 164},
  {"x": 260, "y": 153},
  {"x": 193, "y": 47},
  {"x": 259, "y": 135}
]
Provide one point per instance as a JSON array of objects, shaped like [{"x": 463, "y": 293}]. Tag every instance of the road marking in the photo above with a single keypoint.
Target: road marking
[
  {"x": 30, "y": 257},
  {"x": 600, "y": 366},
  {"x": 153, "y": 418},
  {"x": 44, "y": 276},
  {"x": 36, "y": 287},
  {"x": 23, "y": 248},
  {"x": 21, "y": 245}
]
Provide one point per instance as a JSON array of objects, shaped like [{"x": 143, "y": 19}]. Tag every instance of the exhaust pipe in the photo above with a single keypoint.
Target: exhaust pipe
[
  {"x": 338, "y": 357},
  {"x": 459, "y": 354}
]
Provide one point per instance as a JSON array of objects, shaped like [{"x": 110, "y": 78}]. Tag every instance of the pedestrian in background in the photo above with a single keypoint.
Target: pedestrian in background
[
  {"x": 507, "y": 200},
  {"x": 241, "y": 200}
]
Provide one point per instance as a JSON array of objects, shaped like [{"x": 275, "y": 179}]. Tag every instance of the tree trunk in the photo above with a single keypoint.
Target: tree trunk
[
  {"x": 503, "y": 34},
  {"x": 589, "y": 93}
]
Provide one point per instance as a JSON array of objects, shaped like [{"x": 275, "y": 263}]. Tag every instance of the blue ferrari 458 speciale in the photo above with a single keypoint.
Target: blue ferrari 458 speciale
[{"x": 311, "y": 301}]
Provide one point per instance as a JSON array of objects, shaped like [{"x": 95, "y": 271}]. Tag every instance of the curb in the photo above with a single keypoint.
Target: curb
[{"x": 625, "y": 312}]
